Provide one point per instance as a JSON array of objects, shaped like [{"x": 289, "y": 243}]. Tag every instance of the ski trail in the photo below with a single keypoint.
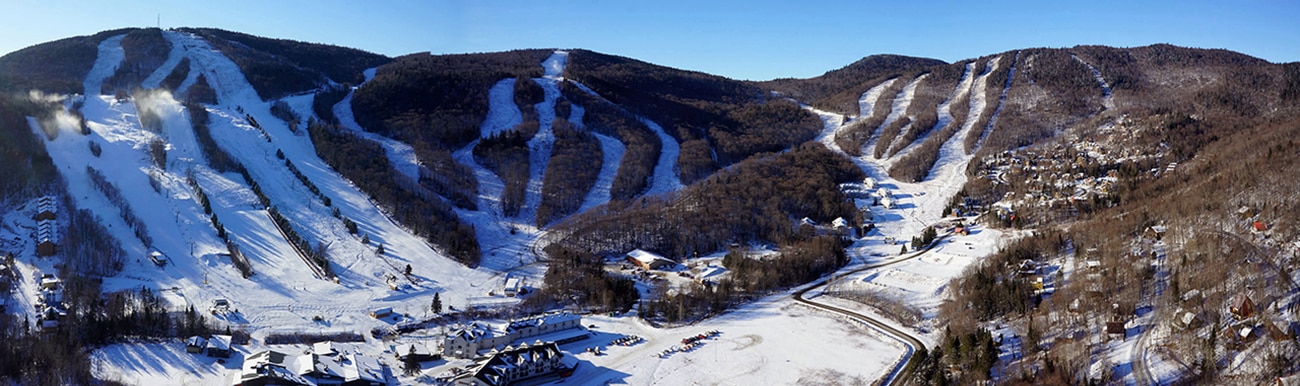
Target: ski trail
[
  {"x": 400, "y": 154},
  {"x": 257, "y": 150},
  {"x": 1107, "y": 98},
  {"x": 944, "y": 111},
  {"x": 665, "y": 177},
  {"x": 110, "y": 55},
  {"x": 613, "y": 151},
  {"x": 901, "y": 102},
  {"x": 544, "y": 141},
  {"x": 1011, "y": 76},
  {"x": 953, "y": 151},
  {"x": 173, "y": 59},
  {"x": 502, "y": 115},
  {"x": 832, "y": 124},
  {"x": 867, "y": 103}
]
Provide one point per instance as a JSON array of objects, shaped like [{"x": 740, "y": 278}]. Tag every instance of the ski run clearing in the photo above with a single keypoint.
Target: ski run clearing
[{"x": 770, "y": 341}]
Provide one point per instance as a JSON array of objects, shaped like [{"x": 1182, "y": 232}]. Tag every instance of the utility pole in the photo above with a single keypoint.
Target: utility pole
[{"x": 159, "y": 21}]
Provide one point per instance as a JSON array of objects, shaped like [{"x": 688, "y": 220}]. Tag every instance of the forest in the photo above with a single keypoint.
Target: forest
[{"x": 279, "y": 67}]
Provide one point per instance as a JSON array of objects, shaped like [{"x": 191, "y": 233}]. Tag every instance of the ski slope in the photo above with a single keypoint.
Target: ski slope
[
  {"x": 543, "y": 142},
  {"x": 612, "y": 150},
  {"x": 284, "y": 293},
  {"x": 400, "y": 155},
  {"x": 899, "y": 107}
]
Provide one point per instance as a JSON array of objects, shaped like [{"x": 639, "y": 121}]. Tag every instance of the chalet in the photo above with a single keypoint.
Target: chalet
[
  {"x": 869, "y": 183},
  {"x": 195, "y": 344},
  {"x": 1156, "y": 232},
  {"x": 514, "y": 364},
  {"x": 648, "y": 260},
  {"x": 888, "y": 202},
  {"x": 467, "y": 341},
  {"x": 1187, "y": 319},
  {"x": 1116, "y": 328},
  {"x": 46, "y": 209},
  {"x": 420, "y": 351},
  {"x": 1279, "y": 330},
  {"x": 272, "y": 368},
  {"x": 219, "y": 346},
  {"x": 1245, "y": 212},
  {"x": 960, "y": 231},
  {"x": 1192, "y": 296},
  {"x": 1241, "y": 307},
  {"x": 1258, "y": 227},
  {"x": 46, "y": 237},
  {"x": 277, "y": 368}
]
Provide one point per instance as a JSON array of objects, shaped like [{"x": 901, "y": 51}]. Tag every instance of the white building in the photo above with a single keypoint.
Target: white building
[{"x": 466, "y": 342}]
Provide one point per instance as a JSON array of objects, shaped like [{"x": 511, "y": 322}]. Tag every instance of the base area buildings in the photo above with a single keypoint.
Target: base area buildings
[
  {"x": 322, "y": 366},
  {"x": 514, "y": 364},
  {"x": 467, "y": 341}
]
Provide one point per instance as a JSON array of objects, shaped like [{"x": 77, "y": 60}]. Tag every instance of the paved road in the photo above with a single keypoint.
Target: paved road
[{"x": 908, "y": 339}]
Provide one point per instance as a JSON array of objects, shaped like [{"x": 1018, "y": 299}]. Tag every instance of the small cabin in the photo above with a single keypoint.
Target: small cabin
[
  {"x": 157, "y": 257},
  {"x": 219, "y": 346},
  {"x": 195, "y": 344},
  {"x": 379, "y": 313},
  {"x": 512, "y": 286}
]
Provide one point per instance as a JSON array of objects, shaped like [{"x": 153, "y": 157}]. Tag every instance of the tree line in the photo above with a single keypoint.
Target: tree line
[{"x": 364, "y": 163}]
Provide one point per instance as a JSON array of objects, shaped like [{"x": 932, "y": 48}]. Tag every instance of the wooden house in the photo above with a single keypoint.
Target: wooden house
[
  {"x": 1241, "y": 307},
  {"x": 195, "y": 344},
  {"x": 219, "y": 346}
]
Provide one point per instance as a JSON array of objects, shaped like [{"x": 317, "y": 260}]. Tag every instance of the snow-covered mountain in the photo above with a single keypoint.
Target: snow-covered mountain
[{"x": 311, "y": 184}]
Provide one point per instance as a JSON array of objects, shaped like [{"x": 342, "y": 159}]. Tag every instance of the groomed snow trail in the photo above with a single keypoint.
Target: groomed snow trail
[
  {"x": 867, "y": 103},
  {"x": 173, "y": 59},
  {"x": 1107, "y": 98},
  {"x": 901, "y": 102},
  {"x": 544, "y": 141},
  {"x": 283, "y": 278},
  {"x": 400, "y": 154},
  {"x": 954, "y": 150},
  {"x": 502, "y": 115},
  {"x": 944, "y": 112},
  {"x": 1002, "y": 97},
  {"x": 612, "y": 150},
  {"x": 665, "y": 177}
]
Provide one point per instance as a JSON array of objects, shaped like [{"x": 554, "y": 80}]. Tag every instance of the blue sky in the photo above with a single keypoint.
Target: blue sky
[{"x": 756, "y": 40}]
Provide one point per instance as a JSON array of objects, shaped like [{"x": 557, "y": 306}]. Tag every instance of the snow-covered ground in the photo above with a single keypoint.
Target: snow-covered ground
[
  {"x": 541, "y": 144},
  {"x": 770, "y": 341},
  {"x": 400, "y": 154},
  {"x": 612, "y": 150},
  {"x": 899, "y": 107},
  {"x": 284, "y": 294}
]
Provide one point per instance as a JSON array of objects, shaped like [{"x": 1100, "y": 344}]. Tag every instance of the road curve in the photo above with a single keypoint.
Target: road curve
[{"x": 908, "y": 340}]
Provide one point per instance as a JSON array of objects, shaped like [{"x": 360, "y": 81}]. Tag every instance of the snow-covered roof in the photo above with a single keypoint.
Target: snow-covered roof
[
  {"x": 325, "y": 348},
  {"x": 645, "y": 256},
  {"x": 47, "y": 230},
  {"x": 220, "y": 342}
]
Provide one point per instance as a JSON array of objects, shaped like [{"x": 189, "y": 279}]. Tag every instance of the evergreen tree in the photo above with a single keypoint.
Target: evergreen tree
[
  {"x": 437, "y": 303},
  {"x": 411, "y": 365}
]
